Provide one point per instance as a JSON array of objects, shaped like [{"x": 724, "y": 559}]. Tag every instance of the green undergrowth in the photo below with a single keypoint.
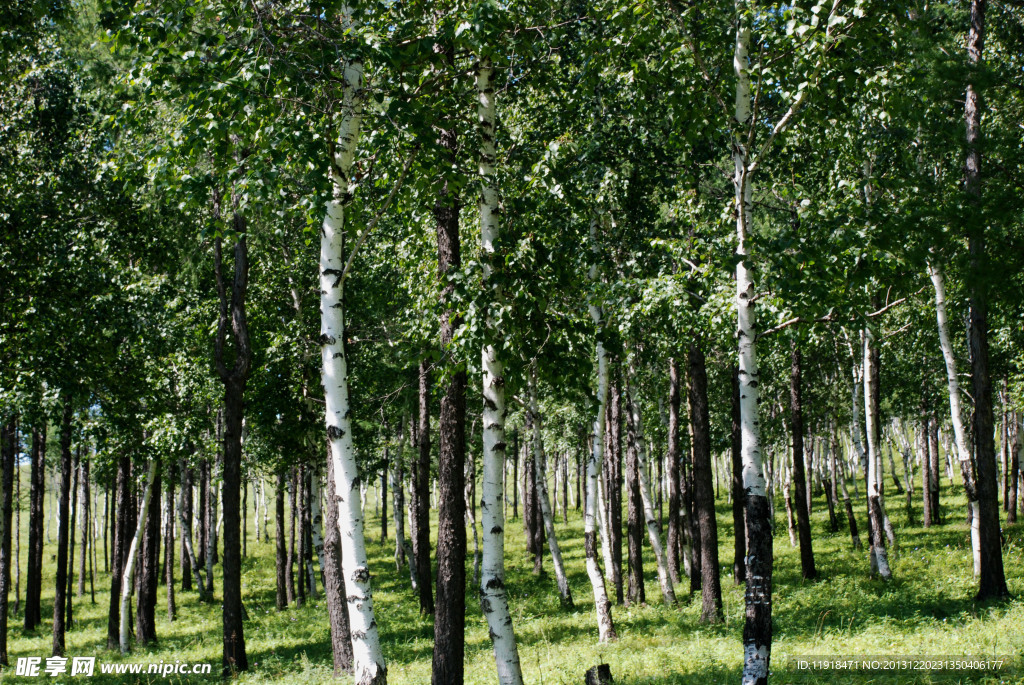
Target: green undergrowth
[{"x": 926, "y": 611}]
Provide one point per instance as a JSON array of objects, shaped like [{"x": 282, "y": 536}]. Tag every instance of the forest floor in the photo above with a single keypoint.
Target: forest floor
[{"x": 925, "y": 611}]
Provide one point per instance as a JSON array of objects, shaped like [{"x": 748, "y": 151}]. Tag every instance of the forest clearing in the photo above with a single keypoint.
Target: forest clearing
[{"x": 465, "y": 341}]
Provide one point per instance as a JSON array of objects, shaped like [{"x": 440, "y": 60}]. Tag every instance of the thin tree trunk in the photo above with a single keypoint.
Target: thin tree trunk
[
  {"x": 83, "y": 489},
  {"x": 69, "y": 595},
  {"x": 613, "y": 487},
  {"x": 8, "y": 449},
  {"x": 879, "y": 555},
  {"x": 422, "y": 486},
  {"x": 540, "y": 473},
  {"x": 674, "y": 532},
  {"x": 63, "y": 530},
  {"x": 281, "y": 557},
  {"x": 603, "y": 607},
  {"x": 34, "y": 571},
  {"x": 169, "y": 551},
  {"x": 119, "y": 549},
  {"x": 668, "y": 593},
  {"x": 634, "y": 528},
  {"x": 799, "y": 476},
  {"x": 185, "y": 505},
  {"x": 132, "y": 555},
  {"x": 149, "y": 566},
  {"x": 293, "y": 509}
]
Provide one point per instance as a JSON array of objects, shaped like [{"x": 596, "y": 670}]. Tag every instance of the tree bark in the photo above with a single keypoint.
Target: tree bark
[
  {"x": 879, "y": 554},
  {"x": 668, "y": 593},
  {"x": 634, "y": 528},
  {"x": 984, "y": 501},
  {"x": 799, "y": 476},
  {"x": 703, "y": 493},
  {"x": 185, "y": 500},
  {"x": 450, "y": 618},
  {"x": 757, "y": 630},
  {"x": 8, "y": 451},
  {"x": 169, "y": 551},
  {"x": 119, "y": 550},
  {"x": 602, "y": 607},
  {"x": 149, "y": 561},
  {"x": 334, "y": 584},
  {"x": 63, "y": 531},
  {"x": 613, "y": 487},
  {"x": 540, "y": 477},
  {"x": 674, "y": 533},
  {"x": 422, "y": 486},
  {"x": 281, "y": 556},
  {"x": 739, "y": 569},
  {"x": 37, "y": 487},
  {"x": 132, "y": 556}
]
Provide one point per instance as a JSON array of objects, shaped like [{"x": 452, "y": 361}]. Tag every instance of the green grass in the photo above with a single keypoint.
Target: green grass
[{"x": 926, "y": 610}]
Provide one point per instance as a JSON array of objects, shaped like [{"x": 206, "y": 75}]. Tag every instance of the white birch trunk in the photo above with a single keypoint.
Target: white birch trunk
[
  {"x": 605, "y": 627},
  {"x": 602, "y": 524},
  {"x": 879, "y": 554},
  {"x": 368, "y": 658},
  {"x": 668, "y": 592},
  {"x": 956, "y": 413},
  {"x": 493, "y": 595},
  {"x": 540, "y": 470},
  {"x": 129, "y": 566},
  {"x": 756, "y": 649}
]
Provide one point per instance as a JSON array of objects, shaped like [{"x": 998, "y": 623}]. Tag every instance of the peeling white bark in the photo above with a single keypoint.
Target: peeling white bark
[
  {"x": 493, "y": 596},
  {"x": 368, "y": 658}
]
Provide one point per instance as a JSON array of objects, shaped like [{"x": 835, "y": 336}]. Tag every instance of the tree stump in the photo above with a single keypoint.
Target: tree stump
[{"x": 599, "y": 675}]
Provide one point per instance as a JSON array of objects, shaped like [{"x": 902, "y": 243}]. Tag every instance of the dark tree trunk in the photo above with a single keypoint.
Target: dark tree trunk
[
  {"x": 61, "y": 585},
  {"x": 421, "y": 540},
  {"x": 83, "y": 489},
  {"x": 515, "y": 474},
  {"x": 281, "y": 557},
  {"x": 936, "y": 470},
  {"x": 69, "y": 617},
  {"x": 204, "y": 494},
  {"x": 186, "y": 505},
  {"x": 384, "y": 500},
  {"x": 169, "y": 550},
  {"x": 119, "y": 549},
  {"x": 796, "y": 418},
  {"x": 739, "y": 568},
  {"x": 245, "y": 517},
  {"x": 565, "y": 487},
  {"x": 675, "y": 543},
  {"x": 703, "y": 492},
  {"x": 234, "y": 379},
  {"x": 992, "y": 580},
  {"x": 7, "y": 458},
  {"x": 635, "y": 522},
  {"x": 757, "y": 627},
  {"x": 1014, "y": 476},
  {"x": 33, "y": 584},
  {"x": 926, "y": 469},
  {"x": 289, "y": 568},
  {"x": 614, "y": 485},
  {"x": 149, "y": 563},
  {"x": 533, "y": 518},
  {"x": 334, "y": 581},
  {"x": 449, "y": 620},
  {"x": 299, "y": 530},
  {"x": 234, "y": 658}
]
